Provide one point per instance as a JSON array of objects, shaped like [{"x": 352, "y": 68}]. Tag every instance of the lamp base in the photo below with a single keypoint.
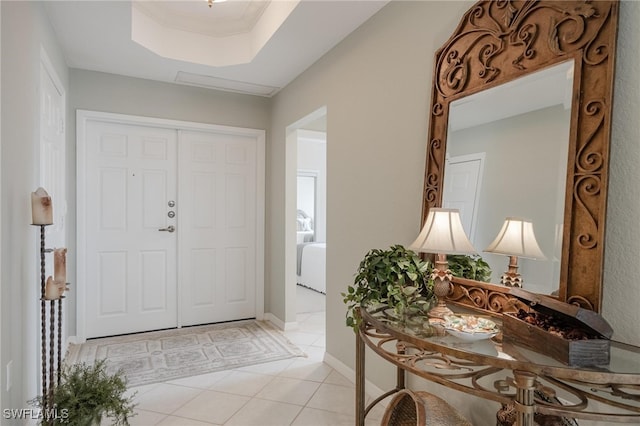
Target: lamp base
[
  {"x": 440, "y": 310},
  {"x": 441, "y": 277},
  {"x": 511, "y": 279}
]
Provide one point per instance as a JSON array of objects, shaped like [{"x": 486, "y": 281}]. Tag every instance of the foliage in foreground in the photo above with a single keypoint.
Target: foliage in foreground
[
  {"x": 87, "y": 393},
  {"x": 397, "y": 277}
]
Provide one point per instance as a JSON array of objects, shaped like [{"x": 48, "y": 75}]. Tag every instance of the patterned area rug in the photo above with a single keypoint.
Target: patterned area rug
[{"x": 159, "y": 356}]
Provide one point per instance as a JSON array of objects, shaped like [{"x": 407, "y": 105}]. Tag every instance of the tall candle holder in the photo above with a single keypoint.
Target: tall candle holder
[
  {"x": 51, "y": 360},
  {"x": 52, "y": 292},
  {"x": 43, "y": 318}
]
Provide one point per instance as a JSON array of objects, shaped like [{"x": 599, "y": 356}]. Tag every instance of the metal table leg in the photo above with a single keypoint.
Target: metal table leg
[
  {"x": 359, "y": 380},
  {"x": 524, "y": 403}
]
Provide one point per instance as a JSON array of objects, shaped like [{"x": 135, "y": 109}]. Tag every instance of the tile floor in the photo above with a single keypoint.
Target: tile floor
[{"x": 296, "y": 391}]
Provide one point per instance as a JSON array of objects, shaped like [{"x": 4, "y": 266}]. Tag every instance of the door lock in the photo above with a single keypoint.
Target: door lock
[
  {"x": 171, "y": 203},
  {"x": 169, "y": 228},
  {"x": 171, "y": 214}
]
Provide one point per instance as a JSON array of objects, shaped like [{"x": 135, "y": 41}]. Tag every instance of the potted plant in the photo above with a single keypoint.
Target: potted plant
[
  {"x": 87, "y": 393},
  {"x": 397, "y": 277},
  {"x": 471, "y": 267}
]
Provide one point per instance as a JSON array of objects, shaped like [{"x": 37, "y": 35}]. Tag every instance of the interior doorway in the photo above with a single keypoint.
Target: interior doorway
[
  {"x": 311, "y": 235},
  {"x": 306, "y": 183}
]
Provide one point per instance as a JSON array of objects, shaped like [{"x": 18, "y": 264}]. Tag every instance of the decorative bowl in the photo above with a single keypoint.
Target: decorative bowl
[
  {"x": 470, "y": 336},
  {"x": 470, "y": 327}
]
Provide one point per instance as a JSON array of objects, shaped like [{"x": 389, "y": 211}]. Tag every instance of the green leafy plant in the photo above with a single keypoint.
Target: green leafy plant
[
  {"x": 87, "y": 393},
  {"x": 471, "y": 267},
  {"x": 397, "y": 277}
]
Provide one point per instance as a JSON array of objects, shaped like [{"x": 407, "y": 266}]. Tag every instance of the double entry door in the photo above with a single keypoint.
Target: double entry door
[{"x": 170, "y": 227}]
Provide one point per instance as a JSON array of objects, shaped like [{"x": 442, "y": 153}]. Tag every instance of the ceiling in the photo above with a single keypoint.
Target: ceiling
[{"x": 253, "y": 47}]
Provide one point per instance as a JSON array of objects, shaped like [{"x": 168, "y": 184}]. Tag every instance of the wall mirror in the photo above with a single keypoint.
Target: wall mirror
[
  {"x": 497, "y": 140},
  {"x": 521, "y": 107}
]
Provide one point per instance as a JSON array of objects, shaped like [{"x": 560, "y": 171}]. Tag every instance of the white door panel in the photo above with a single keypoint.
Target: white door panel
[
  {"x": 463, "y": 181},
  {"x": 52, "y": 151},
  {"x": 112, "y": 283},
  {"x": 218, "y": 231},
  {"x": 131, "y": 266}
]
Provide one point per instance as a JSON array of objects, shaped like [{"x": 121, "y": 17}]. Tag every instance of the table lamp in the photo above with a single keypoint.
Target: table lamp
[
  {"x": 442, "y": 234},
  {"x": 515, "y": 239}
]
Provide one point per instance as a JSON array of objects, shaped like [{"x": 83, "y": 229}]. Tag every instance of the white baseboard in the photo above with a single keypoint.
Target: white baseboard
[
  {"x": 349, "y": 373},
  {"x": 285, "y": 326}
]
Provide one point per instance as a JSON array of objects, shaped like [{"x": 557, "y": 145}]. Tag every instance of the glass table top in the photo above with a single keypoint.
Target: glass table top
[{"x": 426, "y": 334}]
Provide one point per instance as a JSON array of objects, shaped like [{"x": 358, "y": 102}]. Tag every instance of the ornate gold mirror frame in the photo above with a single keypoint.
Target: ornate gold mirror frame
[{"x": 499, "y": 41}]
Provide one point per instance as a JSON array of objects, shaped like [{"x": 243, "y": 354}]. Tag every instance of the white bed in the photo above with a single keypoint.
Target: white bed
[
  {"x": 311, "y": 266},
  {"x": 304, "y": 237}
]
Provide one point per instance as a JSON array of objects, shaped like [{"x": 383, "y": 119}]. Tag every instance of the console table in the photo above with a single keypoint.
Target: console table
[{"x": 504, "y": 373}]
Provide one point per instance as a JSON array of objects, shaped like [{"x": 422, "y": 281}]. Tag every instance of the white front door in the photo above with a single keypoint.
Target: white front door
[
  {"x": 462, "y": 183},
  {"x": 217, "y": 237},
  {"x": 130, "y": 262},
  {"x": 137, "y": 177}
]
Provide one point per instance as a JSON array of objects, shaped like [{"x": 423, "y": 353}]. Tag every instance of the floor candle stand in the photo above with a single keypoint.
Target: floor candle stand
[{"x": 50, "y": 376}]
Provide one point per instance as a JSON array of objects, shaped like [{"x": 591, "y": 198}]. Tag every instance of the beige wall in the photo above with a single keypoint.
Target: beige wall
[
  {"x": 125, "y": 95},
  {"x": 376, "y": 87},
  {"x": 621, "y": 290},
  {"x": 25, "y": 31}
]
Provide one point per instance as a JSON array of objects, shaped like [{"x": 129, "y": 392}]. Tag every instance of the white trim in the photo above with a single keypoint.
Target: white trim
[
  {"x": 83, "y": 116},
  {"x": 322, "y": 111},
  {"x": 290, "y": 234},
  {"x": 167, "y": 123},
  {"x": 308, "y": 173},
  {"x": 312, "y": 136},
  {"x": 285, "y": 326},
  {"x": 81, "y": 225},
  {"x": 48, "y": 65},
  {"x": 179, "y": 235},
  {"x": 261, "y": 185},
  {"x": 350, "y": 374}
]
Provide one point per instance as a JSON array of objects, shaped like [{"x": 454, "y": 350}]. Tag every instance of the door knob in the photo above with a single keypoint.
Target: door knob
[{"x": 169, "y": 228}]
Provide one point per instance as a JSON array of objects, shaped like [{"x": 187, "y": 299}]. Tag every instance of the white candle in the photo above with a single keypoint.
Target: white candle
[
  {"x": 41, "y": 208},
  {"x": 60, "y": 266}
]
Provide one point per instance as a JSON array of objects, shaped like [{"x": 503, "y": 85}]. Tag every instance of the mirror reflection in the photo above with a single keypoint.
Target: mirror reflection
[
  {"x": 506, "y": 157},
  {"x": 306, "y": 207}
]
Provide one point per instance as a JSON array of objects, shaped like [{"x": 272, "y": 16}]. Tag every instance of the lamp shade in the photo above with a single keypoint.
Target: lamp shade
[
  {"x": 516, "y": 238},
  {"x": 443, "y": 233}
]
